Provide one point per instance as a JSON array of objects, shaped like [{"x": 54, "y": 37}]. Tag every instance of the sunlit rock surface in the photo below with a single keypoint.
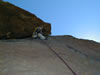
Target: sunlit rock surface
[
  {"x": 17, "y": 23},
  {"x": 35, "y": 57}
]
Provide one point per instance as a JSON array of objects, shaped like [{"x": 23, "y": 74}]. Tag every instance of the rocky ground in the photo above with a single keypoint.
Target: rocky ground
[{"x": 59, "y": 55}]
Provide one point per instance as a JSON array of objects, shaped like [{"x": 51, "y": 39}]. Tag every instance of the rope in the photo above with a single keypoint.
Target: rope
[
  {"x": 35, "y": 29},
  {"x": 60, "y": 58}
]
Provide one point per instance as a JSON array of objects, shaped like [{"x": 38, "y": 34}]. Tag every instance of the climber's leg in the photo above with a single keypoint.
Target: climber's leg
[
  {"x": 34, "y": 36},
  {"x": 41, "y": 36}
]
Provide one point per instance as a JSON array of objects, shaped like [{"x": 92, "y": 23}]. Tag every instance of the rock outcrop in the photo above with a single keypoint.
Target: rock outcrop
[
  {"x": 18, "y": 23},
  {"x": 59, "y": 55}
]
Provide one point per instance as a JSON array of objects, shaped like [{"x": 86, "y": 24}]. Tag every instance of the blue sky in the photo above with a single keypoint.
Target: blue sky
[{"x": 79, "y": 18}]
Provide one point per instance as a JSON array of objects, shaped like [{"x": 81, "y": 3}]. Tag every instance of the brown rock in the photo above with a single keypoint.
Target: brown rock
[{"x": 17, "y": 23}]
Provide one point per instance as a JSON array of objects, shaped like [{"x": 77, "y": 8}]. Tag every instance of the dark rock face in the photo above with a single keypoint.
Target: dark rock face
[{"x": 17, "y": 23}]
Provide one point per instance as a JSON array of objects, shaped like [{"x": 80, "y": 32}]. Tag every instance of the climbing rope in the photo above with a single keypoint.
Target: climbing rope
[
  {"x": 35, "y": 29},
  {"x": 51, "y": 49}
]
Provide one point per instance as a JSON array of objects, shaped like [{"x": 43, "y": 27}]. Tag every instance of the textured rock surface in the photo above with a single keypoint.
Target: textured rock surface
[
  {"x": 35, "y": 57},
  {"x": 16, "y": 22}
]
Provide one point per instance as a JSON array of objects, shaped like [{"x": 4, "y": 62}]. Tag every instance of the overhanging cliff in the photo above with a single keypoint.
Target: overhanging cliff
[{"x": 17, "y": 23}]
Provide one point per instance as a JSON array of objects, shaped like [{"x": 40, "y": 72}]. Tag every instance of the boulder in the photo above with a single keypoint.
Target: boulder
[{"x": 16, "y": 22}]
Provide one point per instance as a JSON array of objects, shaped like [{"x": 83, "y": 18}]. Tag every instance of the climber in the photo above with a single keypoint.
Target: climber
[{"x": 37, "y": 33}]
